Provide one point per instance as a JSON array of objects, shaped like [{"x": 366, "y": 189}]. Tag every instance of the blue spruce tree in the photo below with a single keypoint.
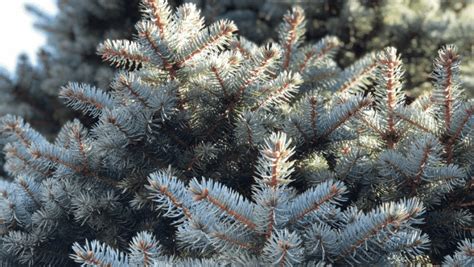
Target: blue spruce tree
[{"x": 210, "y": 150}]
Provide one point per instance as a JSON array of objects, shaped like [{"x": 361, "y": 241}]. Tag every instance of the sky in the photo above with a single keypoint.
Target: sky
[{"x": 17, "y": 32}]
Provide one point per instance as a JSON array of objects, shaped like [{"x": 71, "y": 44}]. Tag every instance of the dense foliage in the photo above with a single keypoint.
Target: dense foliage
[
  {"x": 212, "y": 150},
  {"x": 417, "y": 28}
]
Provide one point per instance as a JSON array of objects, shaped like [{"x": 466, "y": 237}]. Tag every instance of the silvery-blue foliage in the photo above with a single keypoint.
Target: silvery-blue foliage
[{"x": 226, "y": 152}]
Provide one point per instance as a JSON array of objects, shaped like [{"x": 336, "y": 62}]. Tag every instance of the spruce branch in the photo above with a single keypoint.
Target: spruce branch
[
  {"x": 273, "y": 170},
  {"x": 245, "y": 47},
  {"x": 278, "y": 91},
  {"x": 420, "y": 171},
  {"x": 31, "y": 189},
  {"x": 343, "y": 112},
  {"x": 320, "y": 240},
  {"x": 388, "y": 89},
  {"x": 317, "y": 53},
  {"x": 291, "y": 33},
  {"x": 393, "y": 165},
  {"x": 124, "y": 53},
  {"x": 89, "y": 100},
  {"x": 326, "y": 193},
  {"x": 19, "y": 161},
  {"x": 263, "y": 64},
  {"x": 131, "y": 87},
  {"x": 144, "y": 249},
  {"x": 211, "y": 40},
  {"x": 94, "y": 253},
  {"x": 283, "y": 249},
  {"x": 353, "y": 165},
  {"x": 464, "y": 256},
  {"x": 169, "y": 194},
  {"x": 422, "y": 121},
  {"x": 13, "y": 128},
  {"x": 446, "y": 80},
  {"x": 188, "y": 23},
  {"x": 159, "y": 12},
  {"x": 368, "y": 236},
  {"x": 356, "y": 78},
  {"x": 249, "y": 129},
  {"x": 222, "y": 199},
  {"x": 422, "y": 155},
  {"x": 155, "y": 47},
  {"x": 462, "y": 123},
  {"x": 308, "y": 117},
  {"x": 258, "y": 69},
  {"x": 274, "y": 167},
  {"x": 227, "y": 239}
]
